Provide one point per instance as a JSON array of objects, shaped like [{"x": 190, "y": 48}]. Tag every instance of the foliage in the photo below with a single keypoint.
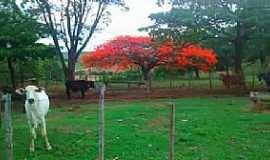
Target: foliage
[
  {"x": 19, "y": 33},
  {"x": 126, "y": 52},
  {"x": 229, "y": 23},
  {"x": 18, "y": 36}
]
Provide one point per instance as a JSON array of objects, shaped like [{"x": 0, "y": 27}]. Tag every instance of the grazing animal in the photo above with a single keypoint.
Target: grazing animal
[
  {"x": 78, "y": 85},
  {"x": 266, "y": 78},
  {"x": 36, "y": 107},
  {"x": 232, "y": 80}
]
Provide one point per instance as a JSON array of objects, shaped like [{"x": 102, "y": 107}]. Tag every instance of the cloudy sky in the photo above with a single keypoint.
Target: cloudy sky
[
  {"x": 127, "y": 22},
  {"x": 124, "y": 22}
]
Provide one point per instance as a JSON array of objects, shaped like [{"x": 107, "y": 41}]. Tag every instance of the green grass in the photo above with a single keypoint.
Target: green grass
[{"x": 207, "y": 129}]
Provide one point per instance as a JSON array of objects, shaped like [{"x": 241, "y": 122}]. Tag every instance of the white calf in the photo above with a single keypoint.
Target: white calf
[{"x": 36, "y": 106}]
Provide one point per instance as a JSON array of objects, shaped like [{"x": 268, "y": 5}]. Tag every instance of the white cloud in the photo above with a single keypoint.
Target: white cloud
[{"x": 127, "y": 22}]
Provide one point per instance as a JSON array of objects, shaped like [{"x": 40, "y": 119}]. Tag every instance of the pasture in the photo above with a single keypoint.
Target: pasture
[{"x": 207, "y": 128}]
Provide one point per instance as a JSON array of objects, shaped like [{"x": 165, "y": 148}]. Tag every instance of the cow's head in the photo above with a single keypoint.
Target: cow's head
[{"x": 29, "y": 92}]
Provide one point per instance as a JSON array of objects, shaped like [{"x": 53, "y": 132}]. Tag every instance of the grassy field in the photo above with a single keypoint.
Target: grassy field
[{"x": 214, "y": 128}]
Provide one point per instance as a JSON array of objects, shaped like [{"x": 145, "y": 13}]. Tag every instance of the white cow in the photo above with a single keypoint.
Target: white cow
[{"x": 36, "y": 106}]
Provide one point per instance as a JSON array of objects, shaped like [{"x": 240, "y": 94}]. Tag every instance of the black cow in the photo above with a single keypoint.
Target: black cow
[
  {"x": 78, "y": 85},
  {"x": 266, "y": 78}
]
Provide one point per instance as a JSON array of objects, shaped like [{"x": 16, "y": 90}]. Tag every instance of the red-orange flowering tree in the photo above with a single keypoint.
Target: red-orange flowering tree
[{"x": 126, "y": 52}]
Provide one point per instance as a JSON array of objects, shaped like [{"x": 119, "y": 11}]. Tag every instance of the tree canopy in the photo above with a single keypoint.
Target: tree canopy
[
  {"x": 232, "y": 24},
  {"x": 19, "y": 34},
  {"x": 145, "y": 53}
]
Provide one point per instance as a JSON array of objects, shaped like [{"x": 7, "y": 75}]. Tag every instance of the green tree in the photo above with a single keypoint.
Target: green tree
[
  {"x": 18, "y": 36},
  {"x": 231, "y": 23}
]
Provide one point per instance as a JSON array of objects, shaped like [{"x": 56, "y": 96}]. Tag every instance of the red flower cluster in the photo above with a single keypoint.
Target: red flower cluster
[{"x": 125, "y": 52}]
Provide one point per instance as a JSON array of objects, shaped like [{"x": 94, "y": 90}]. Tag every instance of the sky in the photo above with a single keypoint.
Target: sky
[
  {"x": 127, "y": 22},
  {"x": 124, "y": 22}
]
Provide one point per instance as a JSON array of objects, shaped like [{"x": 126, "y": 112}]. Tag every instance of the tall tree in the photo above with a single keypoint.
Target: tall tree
[
  {"x": 72, "y": 23},
  {"x": 234, "y": 22},
  {"x": 18, "y": 36}
]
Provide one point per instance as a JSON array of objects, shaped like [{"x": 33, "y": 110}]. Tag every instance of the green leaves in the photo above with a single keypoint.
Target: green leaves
[
  {"x": 216, "y": 23},
  {"x": 21, "y": 32}
]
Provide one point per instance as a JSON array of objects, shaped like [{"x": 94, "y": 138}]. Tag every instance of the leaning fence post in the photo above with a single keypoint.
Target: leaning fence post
[
  {"x": 172, "y": 132},
  {"x": 6, "y": 98},
  {"x": 1, "y": 118},
  {"x": 101, "y": 123}
]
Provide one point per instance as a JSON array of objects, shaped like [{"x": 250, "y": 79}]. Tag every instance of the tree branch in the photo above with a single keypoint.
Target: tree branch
[
  {"x": 46, "y": 11},
  {"x": 101, "y": 8}
]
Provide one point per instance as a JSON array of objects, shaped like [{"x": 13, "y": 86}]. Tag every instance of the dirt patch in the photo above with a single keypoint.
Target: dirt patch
[
  {"x": 55, "y": 117},
  {"x": 260, "y": 108},
  {"x": 58, "y": 97},
  {"x": 156, "y": 123},
  {"x": 65, "y": 129},
  {"x": 73, "y": 129},
  {"x": 79, "y": 110}
]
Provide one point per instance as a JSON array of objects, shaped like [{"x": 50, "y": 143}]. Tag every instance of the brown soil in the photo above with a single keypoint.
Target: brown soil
[
  {"x": 58, "y": 98},
  {"x": 156, "y": 123}
]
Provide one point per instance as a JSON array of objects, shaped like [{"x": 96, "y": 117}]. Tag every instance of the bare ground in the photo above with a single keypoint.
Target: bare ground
[{"x": 58, "y": 98}]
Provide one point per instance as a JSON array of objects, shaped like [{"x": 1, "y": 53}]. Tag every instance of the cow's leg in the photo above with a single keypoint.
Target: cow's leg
[
  {"x": 32, "y": 125},
  {"x": 44, "y": 134},
  {"x": 82, "y": 94},
  {"x": 33, "y": 136},
  {"x": 268, "y": 87},
  {"x": 68, "y": 92}
]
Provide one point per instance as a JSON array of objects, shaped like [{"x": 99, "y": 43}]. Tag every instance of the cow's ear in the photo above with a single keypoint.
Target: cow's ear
[
  {"x": 40, "y": 89},
  {"x": 20, "y": 91}
]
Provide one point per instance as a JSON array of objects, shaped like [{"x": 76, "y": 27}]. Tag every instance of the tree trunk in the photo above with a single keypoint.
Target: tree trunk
[
  {"x": 21, "y": 74},
  {"x": 227, "y": 69},
  {"x": 238, "y": 64},
  {"x": 239, "y": 43},
  {"x": 11, "y": 72},
  {"x": 189, "y": 74},
  {"x": 238, "y": 58},
  {"x": 197, "y": 73},
  {"x": 70, "y": 75},
  {"x": 147, "y": 78},
  {"x": 238, "y": 48}
]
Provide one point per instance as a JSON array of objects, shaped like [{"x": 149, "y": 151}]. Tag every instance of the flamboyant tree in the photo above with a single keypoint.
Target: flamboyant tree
[{"x": 126, "y": 52}]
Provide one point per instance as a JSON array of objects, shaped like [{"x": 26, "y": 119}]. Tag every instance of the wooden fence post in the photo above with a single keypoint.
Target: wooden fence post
[
  {"x": 8, "y": 127},
  {"x": 171, "y": 83},
  {"x": 1, "y": 118},
  {"x": 101, "y": 122},
  {"x": 210, "y": 79},
  {"x": 172, "y": 132}
]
